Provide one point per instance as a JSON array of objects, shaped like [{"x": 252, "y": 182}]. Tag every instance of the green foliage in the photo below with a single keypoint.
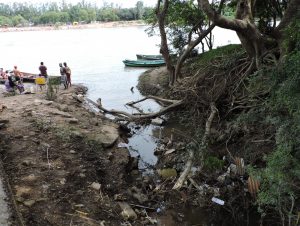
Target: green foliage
[
  {"x": 281, "y": 176},
  {"x": 219, "y": 52},
  {"x": 52, "y": 88},
  {"x": 292, "y": 37},
  {"x": 182, "y": 18},
  {"x": 54, "y": 13},
  {"x": 212, "y": 163},
  {"x": 5, "y": 21}
]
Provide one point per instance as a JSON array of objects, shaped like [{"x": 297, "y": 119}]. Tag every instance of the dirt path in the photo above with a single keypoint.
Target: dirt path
[{"x": 62, "y": 161}]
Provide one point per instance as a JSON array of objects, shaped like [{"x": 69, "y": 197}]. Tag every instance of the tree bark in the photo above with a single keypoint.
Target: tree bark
[
  {"x": 190, "y": 47},
  {"x": 164, "y": 50},
  {"x": 243, "y": 24}
]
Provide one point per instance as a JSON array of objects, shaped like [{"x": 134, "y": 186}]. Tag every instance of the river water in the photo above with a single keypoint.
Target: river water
[{"x": 95, "y": 58}]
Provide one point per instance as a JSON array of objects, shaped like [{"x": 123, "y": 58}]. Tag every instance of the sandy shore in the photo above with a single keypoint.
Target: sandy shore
[{"x": 79, "y": 26}]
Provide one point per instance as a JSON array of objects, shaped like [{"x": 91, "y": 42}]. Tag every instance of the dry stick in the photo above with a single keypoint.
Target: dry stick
[
  {"x": 132, "y": 117},
  {"x": 19, "y": 217},
  {"x": 154, "y": 98},
  {"x": 49, "y": 164},
  {"x": 189, "y": 163}
]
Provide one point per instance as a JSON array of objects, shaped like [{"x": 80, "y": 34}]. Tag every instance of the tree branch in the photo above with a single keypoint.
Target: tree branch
[
  {"x": 203, "y": 145},
  {"x": 139, "y": 116}
]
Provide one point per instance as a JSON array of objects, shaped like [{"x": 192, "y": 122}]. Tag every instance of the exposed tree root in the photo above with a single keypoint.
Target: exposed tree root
[{"x": 203, "y": 145}]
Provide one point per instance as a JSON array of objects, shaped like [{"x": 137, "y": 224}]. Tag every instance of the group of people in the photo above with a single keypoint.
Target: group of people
[
  {"x": 14, "y": 79},
  {"x": 65, "y": 73}
]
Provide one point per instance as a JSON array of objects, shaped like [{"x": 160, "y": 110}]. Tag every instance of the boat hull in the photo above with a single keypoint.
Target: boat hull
[
  {"x": 144, "y": 63},
  {"x": 149, "y": 57}
]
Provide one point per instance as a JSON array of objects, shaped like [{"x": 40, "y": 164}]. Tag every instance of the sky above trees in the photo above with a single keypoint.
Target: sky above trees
[{"x": 121, "y": 3}]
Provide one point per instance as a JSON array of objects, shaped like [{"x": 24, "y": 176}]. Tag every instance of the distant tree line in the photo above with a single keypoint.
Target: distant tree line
[{"x": 24, "y": 14}]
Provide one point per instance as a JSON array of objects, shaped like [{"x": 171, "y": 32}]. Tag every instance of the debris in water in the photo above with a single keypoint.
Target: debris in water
[{"x": 122, "y": 145}]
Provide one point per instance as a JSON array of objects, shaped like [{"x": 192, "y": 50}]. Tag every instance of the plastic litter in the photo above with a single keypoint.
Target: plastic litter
[{"x": 218, "y": 201}]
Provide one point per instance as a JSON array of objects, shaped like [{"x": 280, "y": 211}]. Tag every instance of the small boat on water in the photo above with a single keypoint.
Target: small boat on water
[
  {"x": 149, "y": 57},
  {"x": 30, "y": 77},
  {"x": 27, "y": 77},
  {"x": 152, "y": 57},
  {"x": 144, "y": 63}
]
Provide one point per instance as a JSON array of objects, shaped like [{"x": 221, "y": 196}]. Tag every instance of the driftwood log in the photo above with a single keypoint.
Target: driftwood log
[{"x": 139, "y": 116}]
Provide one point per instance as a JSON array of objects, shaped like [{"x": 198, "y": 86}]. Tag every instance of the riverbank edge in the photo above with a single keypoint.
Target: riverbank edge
[
  {"x": 12, "y": 181},
  {"x": 76, "y": 27}
]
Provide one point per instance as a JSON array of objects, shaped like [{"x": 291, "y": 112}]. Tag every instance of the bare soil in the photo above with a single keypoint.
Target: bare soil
[{"x": 52, "y": 161}]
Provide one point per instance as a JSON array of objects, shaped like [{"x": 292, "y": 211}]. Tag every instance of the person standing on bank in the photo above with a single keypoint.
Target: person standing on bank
[
  {"x": 43, "y": 70},
  {"x": 63, "y": 77},
  {"x": 68, "y": 74}
]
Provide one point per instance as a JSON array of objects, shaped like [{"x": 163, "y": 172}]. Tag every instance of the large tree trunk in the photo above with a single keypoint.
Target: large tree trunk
[
  {"x": 243, "y": 24},
  {"x": 164, "y": 50},
  {"x": 190, "y": 47}
]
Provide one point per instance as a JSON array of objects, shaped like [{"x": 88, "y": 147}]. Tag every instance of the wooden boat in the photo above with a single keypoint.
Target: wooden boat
[
  {"x": 149, "y": 57},
  {"x": 144, "y": 63},
  {"x": 27, "y": 77},
  {"x": 152, "y": 57}
]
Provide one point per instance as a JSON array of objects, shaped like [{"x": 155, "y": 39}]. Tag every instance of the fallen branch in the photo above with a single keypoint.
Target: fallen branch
[
  {"x": 154, "y": 98},
  {"x": 139, "y": 116},
  {"x": 186, "y": 171},
  {"x": 203, "y": 145}
]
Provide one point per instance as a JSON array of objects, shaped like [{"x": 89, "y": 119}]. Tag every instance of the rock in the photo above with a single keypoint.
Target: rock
[
  {"x": 80, "y": 192},
  {"x": 60, "y": 113},
  {"x": 76, "y": 134},
  {"x": 29, "y": 203},
  {"x": 169, "y": 151},
  {"x": 157, "y": 121},
  {"x": 62, "y": 181},
  {"x": 23, "y": 191},
  {"x": 37, "y": 102},
  {"x": 119, "y": 197},
  {"x": 124, "y": 128},
  {"x": 4, "y": 121},
  {"x": 158, "y": 151},
  {"x": 137, "y": 194},
  {"x": 232, "y": 170},
  {"x": 107, "y": 138},
  {"x": 82, "y": 175},
  {"x": 167, "y": 173},
  {"x": 110, "y": 156},
  {"x": 221, "y": 178},
  {"x": 73, "y": 120},
  {"x": 72, "y": 152},
  {"x": 48, "y": 102},
  {"x": 29, "y": 178},
  {"x": 133, "y": 163},
  {"x": 32, "y": 133},
  {"x": 96, "y": 186},
  {"x": 127, "y": 212},
  {"x": 26, "y": 162}
]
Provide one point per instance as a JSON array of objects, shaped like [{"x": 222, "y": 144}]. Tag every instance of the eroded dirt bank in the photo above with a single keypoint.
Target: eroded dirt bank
[{"x": 63, "y": 163}]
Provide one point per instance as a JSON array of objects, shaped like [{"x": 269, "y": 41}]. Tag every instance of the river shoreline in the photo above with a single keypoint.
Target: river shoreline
[{"x": 78, "y": 26}]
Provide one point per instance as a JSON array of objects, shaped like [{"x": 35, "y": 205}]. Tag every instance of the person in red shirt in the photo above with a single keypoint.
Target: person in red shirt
[{"x": 43, "y": 70}]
